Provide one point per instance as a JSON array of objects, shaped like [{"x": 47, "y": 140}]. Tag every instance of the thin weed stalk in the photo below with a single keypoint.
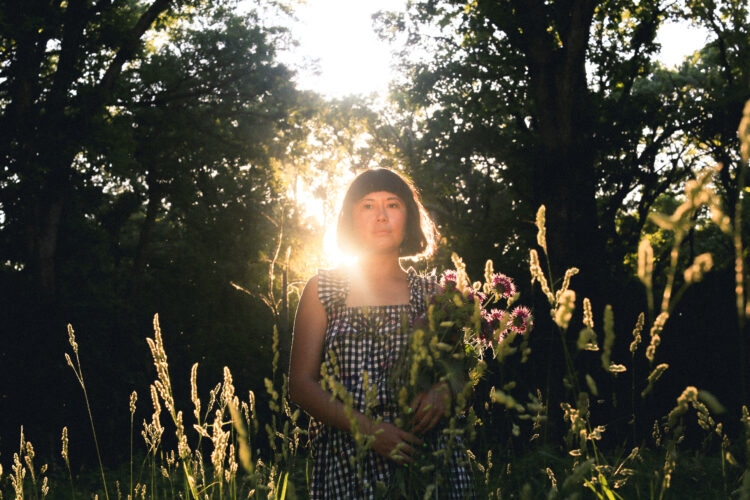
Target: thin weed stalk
[
  {"x": 133, "y": 399},
  {"x": 66, "y": 459},
  {"x": 79, "y": 376}
]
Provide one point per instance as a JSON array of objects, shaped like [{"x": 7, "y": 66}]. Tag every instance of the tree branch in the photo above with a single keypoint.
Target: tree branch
[{"x": 129, "y": 46}]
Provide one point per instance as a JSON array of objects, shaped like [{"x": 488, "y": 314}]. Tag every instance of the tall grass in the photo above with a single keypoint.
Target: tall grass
[{"x": 226, "y": 451}]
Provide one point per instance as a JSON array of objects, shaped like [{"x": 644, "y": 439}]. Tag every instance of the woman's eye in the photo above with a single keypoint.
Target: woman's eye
[{"x": 395, "y": 205}]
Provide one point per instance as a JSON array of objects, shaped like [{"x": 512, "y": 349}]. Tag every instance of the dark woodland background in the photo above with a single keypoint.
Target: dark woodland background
[{"x": 153, "y": 152}]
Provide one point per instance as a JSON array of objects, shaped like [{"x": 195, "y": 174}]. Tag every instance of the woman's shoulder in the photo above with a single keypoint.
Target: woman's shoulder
[{"x": 333, "y": 285}]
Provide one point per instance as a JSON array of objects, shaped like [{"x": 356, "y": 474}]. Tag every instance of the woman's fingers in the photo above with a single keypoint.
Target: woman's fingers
[
  {"x": 421, "y": 408},
  {"x": 411, "y": 438},
  {"x": 402, "y": 453},
  {"x": 415, "y": 404},
  {"x": 429, "y": 415},
  {"x": 421, "y": 423},
  {"x": 433, "y": 421}
]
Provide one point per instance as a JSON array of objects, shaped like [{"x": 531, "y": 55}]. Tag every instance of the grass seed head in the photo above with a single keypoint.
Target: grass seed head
[
  {"x": 564, "y": 310},
  {"x": 609, "y": 336},
  {"x": 588, "y": 315},
  {"x": 541, "y": 234},
  {"x": 227, "y": 393},
  {"x": 72, "y": 338},
  {"x": 645, "y": 262},
  {"x": 637, "y": 332},
  {"x": 133, "y": 399},
  {"x": 743, "y": 132},
  {"x": 656, "y": 330},
  {"x": 655, "y": 375},
  {"x": 701, "y": 265},
  {"x": 194, "y": 392},
  {"x": 64, "y": 439},
  {"x": 538, "y": 275}
]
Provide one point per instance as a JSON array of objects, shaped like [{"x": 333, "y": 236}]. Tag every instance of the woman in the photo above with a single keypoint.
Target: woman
[{"x": 351, "y": 321}]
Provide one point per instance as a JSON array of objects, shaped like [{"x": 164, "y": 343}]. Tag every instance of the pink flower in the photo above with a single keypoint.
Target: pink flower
[
  {"x": 521, "y": 320},
  {"x": 475, "y": 295},
  {"x": 486, "y": 329},
  {"x": 496, "y": 317},
  {"x": 449, "y": 279},
  {"x": 503, "y": 285}
]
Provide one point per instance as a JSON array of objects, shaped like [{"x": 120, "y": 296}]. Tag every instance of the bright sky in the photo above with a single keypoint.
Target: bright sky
[
  {"x": 338, "y": 35},
  {"x": 678, "y": 41}
]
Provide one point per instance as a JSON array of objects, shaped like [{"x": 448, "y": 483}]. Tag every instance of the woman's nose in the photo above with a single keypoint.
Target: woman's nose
[{"x": 382, "y": 214}]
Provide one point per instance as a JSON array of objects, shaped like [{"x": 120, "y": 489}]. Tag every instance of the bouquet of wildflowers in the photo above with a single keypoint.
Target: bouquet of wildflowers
[{"x": 464, "y": 323}]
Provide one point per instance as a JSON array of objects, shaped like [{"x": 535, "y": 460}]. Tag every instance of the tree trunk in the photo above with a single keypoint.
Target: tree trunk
[
  {"x": 41, "y": 242},
  {"x": 563, "y": 170},
  {"x": 144, "y": 237}
]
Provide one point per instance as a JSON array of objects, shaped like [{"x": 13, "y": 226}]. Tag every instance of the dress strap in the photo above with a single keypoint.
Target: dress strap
[
  {"x": 333, "y": 287},
  {"x": 422, "y": 287}
]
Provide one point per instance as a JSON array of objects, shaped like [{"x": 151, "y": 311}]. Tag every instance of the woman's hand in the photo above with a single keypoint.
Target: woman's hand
[
  {"x": 429, "y": 407},
  {"x": 394, "y": 443}
]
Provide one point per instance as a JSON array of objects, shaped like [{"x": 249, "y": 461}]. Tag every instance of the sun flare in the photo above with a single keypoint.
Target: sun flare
[{"x": 322, "y": 206}]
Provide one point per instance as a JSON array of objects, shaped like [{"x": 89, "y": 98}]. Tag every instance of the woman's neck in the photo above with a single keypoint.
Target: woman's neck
[
  {"x": 378, "y": 280},
  {"x": 379, "y": 266}
]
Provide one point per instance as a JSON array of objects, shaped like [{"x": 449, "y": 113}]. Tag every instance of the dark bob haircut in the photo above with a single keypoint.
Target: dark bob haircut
[{"x": 420, "y": 235}]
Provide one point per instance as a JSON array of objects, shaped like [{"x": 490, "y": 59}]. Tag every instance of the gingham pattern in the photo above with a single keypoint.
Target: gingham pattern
[{"x": 359, "y": 340}]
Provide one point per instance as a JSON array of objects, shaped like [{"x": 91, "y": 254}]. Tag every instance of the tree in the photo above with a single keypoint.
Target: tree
[
  {"x": 166, "y": 186},
  {"x": 61, "y": 63},
  {"x": 561, "y": 103}
]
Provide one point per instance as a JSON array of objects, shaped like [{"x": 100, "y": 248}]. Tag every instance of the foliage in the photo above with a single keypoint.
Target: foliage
[{"x": 562, "y": 104}]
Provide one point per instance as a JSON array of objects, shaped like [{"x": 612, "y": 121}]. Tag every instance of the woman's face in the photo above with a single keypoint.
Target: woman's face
[{"x": 380, "y": 222}]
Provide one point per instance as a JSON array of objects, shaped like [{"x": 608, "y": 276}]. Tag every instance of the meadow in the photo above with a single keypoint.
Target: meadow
[{"x": 252, "y": 444}]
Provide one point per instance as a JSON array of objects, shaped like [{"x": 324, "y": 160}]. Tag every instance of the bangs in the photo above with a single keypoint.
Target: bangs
[{"x": 373, "y": 181}]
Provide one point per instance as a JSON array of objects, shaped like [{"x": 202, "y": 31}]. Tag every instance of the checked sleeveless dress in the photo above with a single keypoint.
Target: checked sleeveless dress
[{"x": 369, "y": 340}]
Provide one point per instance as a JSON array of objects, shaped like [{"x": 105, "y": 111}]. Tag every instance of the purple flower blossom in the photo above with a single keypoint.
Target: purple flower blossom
[
  {"x": 503, "y": 285},
  {"x": 521, "y": 320}
]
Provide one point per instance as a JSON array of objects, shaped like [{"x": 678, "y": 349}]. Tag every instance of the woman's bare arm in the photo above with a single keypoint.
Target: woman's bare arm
[{"x": 304, "y": 379}]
